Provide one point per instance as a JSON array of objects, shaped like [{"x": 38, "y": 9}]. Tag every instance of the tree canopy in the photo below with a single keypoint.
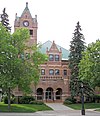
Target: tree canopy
[
  {"x": 89, "y": 67},
  {"x": 18, "y": 66}
]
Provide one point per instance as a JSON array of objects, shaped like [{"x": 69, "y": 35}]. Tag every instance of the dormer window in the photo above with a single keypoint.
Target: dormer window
[
  {"x": 51, "y": 57},
  {"x": 56, "y": 57}
]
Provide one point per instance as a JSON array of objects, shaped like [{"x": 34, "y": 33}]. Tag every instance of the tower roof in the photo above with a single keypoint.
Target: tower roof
[{"x": 26, "y": 10}]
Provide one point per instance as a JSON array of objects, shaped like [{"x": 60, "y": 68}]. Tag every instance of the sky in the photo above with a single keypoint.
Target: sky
[{"x": 57, "y": 18}]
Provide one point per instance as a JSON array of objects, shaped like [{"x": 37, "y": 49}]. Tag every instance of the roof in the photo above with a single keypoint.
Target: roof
[
  {"x": 26, "y": 10},
  {"x": 47, "y": 44}
]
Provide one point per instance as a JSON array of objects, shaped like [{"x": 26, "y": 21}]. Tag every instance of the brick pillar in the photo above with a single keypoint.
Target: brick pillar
[
  {"x": 54, "y": 93},
  {"x": 44, "y": 95}
]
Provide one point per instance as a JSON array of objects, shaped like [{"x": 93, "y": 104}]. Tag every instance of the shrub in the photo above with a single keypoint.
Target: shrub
[
  {"x": 73, "y": 100},
  {"x": 96, "y": 98},
  {"x": 12, "y": 100},
  {"x": 37, "y": 102},
  {"x": 26, "y": 99},
  {"x": 67, "y": 102}
]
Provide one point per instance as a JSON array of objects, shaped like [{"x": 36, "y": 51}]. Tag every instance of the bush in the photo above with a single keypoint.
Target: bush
[
  {"x": 37, "y": 102},
  {"x": 96, "y": 98},
  {"x": 73, "y": 100},
  {"x": 67, "y": 102},
  {"x": 26, "y": 99},
  {"x": 12, "y": 100}
]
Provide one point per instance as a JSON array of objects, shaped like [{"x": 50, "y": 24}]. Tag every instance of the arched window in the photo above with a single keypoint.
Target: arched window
[
  {"x": 64, "y": 72},
  {"x": 42, "y": 71},
  {"x": 57, "y": 72},
  {"x": 51, "y": 72}
]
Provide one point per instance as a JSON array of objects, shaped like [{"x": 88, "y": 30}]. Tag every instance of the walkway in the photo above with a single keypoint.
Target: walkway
[{"x": 58, "y": 107}]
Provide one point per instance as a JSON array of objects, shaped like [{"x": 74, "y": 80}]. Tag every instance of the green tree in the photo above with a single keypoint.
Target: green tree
[
  {"x": 19, "y": 63},
  {"x": 76, "y": 48},
  {"x": 89, "y": 67},
  {"x": 12, "y": 68},
  {"x": 37, "y": 58},
  {"x": 5, "y": 20}
]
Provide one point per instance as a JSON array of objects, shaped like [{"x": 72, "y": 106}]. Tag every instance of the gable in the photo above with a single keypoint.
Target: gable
[{"x": 48, "y": 44}]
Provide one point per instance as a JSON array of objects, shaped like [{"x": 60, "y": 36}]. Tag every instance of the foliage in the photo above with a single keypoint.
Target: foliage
[
  {"x": 6, "y": 100},
  {"x": 76, "y": 48},
  {"x": 37, "y": 58},
  {"x": 5, "y": 20},
  {"x": 37, "y": 102},
  {"x": 70, "y": 100},
  {"x": 12, "y": 68},
  {"x": 89, "y": 67},
  {"x": 16, "y": 69},
  {"x": 26, "y": 99},
  {"x": 96, "y": 98},
  {"x": 67, "y": 102},
  {"x": 73, "y": 100}
]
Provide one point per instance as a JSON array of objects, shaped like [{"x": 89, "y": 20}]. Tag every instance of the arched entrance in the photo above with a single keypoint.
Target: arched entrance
[
  {"x": 49, "y": 93},
  {"x": 58, "y": 94},
  {"x": 39, "y": 94}
]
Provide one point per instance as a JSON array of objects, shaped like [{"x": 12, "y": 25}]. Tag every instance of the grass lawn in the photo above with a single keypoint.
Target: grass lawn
[
  {"x": 98, "y": 110},
  {"x": 86, "y": 105},
  {"x": 23, "y": 108}
]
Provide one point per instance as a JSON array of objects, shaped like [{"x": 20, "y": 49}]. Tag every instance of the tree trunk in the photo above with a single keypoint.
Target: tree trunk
[{"x": 9, "y": 105}]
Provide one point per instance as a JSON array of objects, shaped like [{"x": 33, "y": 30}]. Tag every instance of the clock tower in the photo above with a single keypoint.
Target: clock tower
[{"x": 27, "y": 21}]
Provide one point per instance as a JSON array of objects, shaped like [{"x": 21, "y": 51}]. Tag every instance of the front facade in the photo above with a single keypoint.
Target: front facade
[{"x": 55, "y": 74}]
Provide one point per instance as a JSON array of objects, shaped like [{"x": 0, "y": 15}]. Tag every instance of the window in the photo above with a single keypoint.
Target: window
[
  {"x": 42, "y": 71},
  {"x": 51, "y": 57},
  {"x": 56, "y": 57},
  {"x": 51, "y": 72},
  {"x": 31, "y": 32},
  {"x": 56, "y": 72},
  {"x": 65, "y": 72}
]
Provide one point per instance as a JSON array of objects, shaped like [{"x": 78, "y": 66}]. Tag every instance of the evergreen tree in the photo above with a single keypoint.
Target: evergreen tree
[
  {"x": 76, "y": 48},
  {"x": 5, "y": 20}
]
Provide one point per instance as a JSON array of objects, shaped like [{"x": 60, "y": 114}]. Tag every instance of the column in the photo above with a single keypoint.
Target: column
[
  {"x": 54, "y": 95},
  {"x": 44, "y": 95}
]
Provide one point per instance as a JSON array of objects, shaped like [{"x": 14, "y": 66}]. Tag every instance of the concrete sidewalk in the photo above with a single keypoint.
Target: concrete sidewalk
[{"x": 58, "y": 107}]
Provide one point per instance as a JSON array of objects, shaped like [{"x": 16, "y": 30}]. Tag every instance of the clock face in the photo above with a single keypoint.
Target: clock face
[{"x": 26, "y": 23}]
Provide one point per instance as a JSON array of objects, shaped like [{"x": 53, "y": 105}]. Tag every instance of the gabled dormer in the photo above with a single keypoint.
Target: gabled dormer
[
  {"x": 54, "y": 53},
  {"x": 26, "y": 21}
]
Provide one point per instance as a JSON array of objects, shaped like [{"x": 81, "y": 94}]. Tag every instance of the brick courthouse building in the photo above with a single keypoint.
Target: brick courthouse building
[{"x": 55, "y": 74}]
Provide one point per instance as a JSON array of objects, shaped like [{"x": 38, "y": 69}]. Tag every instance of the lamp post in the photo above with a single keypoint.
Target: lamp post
[{"x": 83, "y": 109}]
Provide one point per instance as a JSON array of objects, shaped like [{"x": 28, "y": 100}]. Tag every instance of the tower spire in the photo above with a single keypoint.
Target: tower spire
[{"x": 26, "y": 4}]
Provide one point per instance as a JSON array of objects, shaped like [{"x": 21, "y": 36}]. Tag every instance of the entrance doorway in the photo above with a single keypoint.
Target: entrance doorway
[
  {"x": 49, "y": 93},
  {"x": 39, "y": 94},
  {"x": 59, "y": 94}
]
